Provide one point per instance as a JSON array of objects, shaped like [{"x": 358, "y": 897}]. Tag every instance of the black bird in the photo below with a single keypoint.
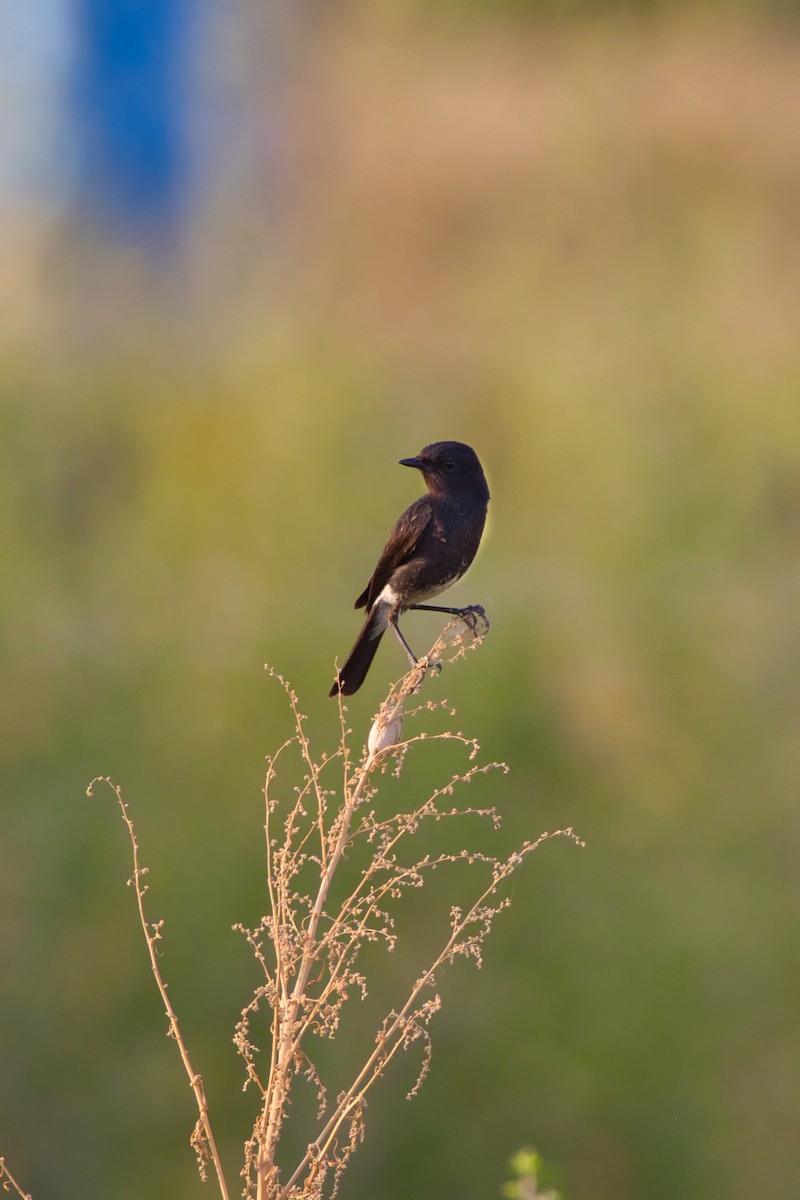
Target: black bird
[{"x": 430, "y": 547}]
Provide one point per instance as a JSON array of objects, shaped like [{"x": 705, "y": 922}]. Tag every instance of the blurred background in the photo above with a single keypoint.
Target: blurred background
[{"x": 254, "y": 254}]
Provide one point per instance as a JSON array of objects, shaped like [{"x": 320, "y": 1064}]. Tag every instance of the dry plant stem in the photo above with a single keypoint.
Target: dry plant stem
[
  {"x": 375, "y": 900},
  {"x": 8, "y": 1181},
  {"x": 391, "y": 1038},
  {"x": 152, "y": 933},
  {"x": 288, "y": 1037},
  {"x": 289, "y": 1030},
  {"x": 301, "y": 941},
  {"x": 310, "y": 964}
]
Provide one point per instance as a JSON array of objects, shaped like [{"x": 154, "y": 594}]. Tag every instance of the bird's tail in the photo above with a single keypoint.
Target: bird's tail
[{"x": 354, "y": 672}]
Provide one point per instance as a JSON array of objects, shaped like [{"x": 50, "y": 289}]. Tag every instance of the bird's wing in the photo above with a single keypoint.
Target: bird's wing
[{"x": 400, "y": 547}]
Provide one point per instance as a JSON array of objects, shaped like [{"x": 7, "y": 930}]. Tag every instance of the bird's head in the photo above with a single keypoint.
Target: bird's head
[{"x": 449, "y": 467}]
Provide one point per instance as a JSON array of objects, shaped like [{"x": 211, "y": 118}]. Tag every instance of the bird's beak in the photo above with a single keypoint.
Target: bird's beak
[{"x": 412, "y": 462}]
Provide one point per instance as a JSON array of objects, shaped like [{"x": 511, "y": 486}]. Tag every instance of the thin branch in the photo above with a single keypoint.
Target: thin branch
[
  {"x": 284, "y": 1029},
  {"x": 8, "y": 1181},
  {"x": 375, "y": 1065},
  {"x": 203, "y": 1140}
]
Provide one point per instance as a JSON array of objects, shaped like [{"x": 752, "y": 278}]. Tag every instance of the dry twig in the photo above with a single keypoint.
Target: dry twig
[
  {"x": 309, "y": 943},
  {"x": 7, "y": 1181},
  {"x": 202, "y": 1138}
]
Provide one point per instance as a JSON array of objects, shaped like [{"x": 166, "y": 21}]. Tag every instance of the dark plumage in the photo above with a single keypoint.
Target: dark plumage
[{"x": 430, "y": 547}]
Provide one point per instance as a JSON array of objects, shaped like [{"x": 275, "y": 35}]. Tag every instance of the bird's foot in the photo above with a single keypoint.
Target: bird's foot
[{"x": 474, "y": 616}]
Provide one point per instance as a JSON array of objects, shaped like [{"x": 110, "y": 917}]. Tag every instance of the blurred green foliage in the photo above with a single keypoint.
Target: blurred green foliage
[
  {"x": 576, "y": 248},
  {"x": 527, "y": 1169}
]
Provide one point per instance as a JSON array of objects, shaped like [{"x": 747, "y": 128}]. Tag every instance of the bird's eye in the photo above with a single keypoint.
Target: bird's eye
[{"x": 448, "y": 465}]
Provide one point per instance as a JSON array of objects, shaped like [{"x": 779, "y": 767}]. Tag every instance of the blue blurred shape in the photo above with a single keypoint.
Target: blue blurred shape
[{"x": 130, "y": 112}]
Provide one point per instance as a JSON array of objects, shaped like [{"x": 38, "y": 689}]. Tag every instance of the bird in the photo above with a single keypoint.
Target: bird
[{"x": 431, "y": 546}]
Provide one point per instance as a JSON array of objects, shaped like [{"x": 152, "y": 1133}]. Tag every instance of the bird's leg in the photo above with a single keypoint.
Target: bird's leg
[
  {"x": 470, "y": 615},
  {"x": 412, "y": 658}
]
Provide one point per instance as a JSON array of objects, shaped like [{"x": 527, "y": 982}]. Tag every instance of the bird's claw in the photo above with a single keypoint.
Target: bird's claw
[{"x": 473, "y": 615}]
